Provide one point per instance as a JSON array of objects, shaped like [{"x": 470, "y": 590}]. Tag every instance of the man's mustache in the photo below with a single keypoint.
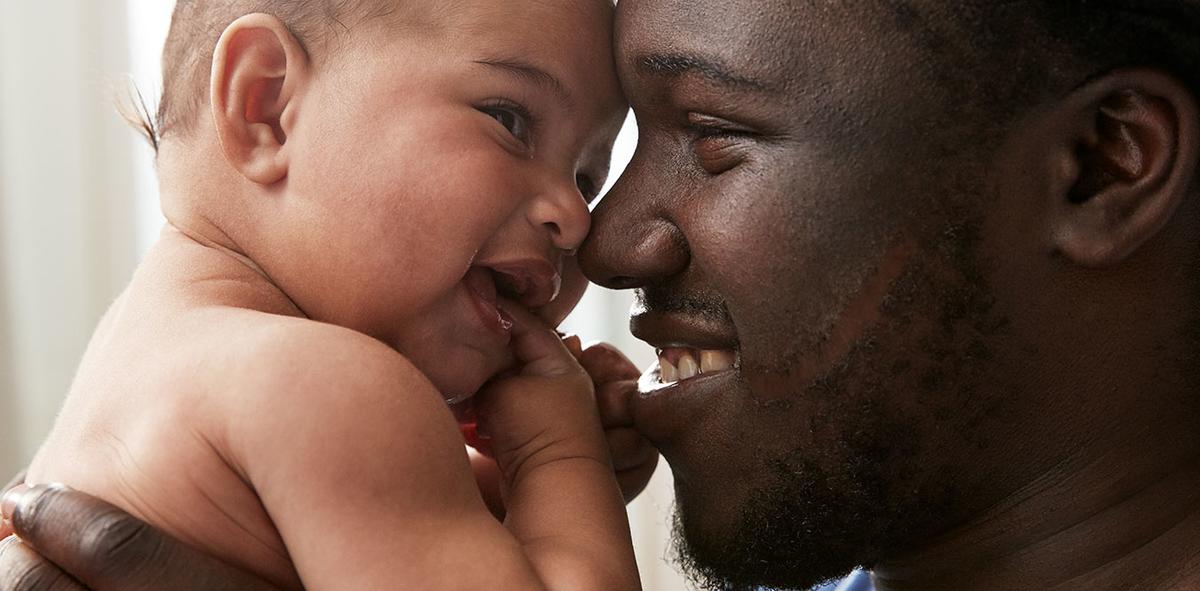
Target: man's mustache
[{"x": 665, "y": 300}]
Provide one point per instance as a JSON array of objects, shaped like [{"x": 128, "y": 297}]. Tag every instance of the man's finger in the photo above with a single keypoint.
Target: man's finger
[
  {"x": 107, "y": 549},
  {"x": 629, "y": 448},
  {"x": 5, "y": 530},
  {"x": 22, "y": 569},
  {"x": 605, "y": 363},
  {"x": 634, "y": 481},
  {"x": 612, "y": 399}
]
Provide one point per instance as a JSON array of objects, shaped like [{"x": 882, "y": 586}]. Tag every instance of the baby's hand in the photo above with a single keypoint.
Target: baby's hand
[
  {"x": 615, "y": 377},
  {"x": 545, "y": 409},
  {"x": 563, "y": 503}
]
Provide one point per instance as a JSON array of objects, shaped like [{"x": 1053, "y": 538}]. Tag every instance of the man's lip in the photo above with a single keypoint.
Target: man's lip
[
  {"x": 651, "y": 384},
  {"x": 666, "y": 330},
  {"x": 665, "y": 412}
]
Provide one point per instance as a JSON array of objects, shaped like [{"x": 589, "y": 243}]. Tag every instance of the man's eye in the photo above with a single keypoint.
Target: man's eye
[
  {"x": 718, "y": 151},
  {"x": 719, "y": 146},
  {"x": 514, "y": 118}
]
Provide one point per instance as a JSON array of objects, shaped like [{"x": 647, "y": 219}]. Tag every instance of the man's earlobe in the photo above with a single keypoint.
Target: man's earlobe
[
  {"x": 257, "y": 67},
  {"x": 1135, "y": 160}
]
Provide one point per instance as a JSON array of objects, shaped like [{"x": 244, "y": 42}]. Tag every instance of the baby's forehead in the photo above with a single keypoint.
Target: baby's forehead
[{"x": 571, "y": 40}]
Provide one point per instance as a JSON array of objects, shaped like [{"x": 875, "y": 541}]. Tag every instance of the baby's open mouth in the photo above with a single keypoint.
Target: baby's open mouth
[
  {"x": 531, "y": 282},
  {"x": 677, "y": 364},
  {"x": 486, "y": 298}
]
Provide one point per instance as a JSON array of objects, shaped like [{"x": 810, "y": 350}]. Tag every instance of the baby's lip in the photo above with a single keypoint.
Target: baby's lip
[
  {"x": 531, "y": 282},
  {"x": 480, "y": 282}
]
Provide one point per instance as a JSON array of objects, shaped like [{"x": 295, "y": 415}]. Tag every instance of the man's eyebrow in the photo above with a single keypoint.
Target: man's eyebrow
[
  {"x": 673, "y": 65},
  {"x": 532, "y": 74}
]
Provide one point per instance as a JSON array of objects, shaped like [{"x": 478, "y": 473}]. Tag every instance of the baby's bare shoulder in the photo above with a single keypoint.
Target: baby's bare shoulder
[
  {"x": 297, "y": 378},
  {"x": 293, "y": 357}
]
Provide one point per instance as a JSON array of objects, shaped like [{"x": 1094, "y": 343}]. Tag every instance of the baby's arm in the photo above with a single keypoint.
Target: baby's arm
[
  {"x": 362, "y": 470},
  {"x": 564, "y": 504}
]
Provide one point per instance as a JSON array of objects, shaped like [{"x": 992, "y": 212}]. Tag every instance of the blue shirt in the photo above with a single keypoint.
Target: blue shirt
[{"x": 857, "y": 581}]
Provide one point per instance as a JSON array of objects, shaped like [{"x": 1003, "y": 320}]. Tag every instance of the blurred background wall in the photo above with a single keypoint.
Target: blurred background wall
[{"x": 79, "y": 207}]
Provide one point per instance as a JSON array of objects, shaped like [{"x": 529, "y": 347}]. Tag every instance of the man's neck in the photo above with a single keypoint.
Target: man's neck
[{"x": 1119, "y": 521}]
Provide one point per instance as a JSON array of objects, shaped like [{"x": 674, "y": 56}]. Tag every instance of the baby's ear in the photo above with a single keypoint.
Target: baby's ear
[
  {"x": 258, "y": 66},
  {"x": 1132, "y": 162}
]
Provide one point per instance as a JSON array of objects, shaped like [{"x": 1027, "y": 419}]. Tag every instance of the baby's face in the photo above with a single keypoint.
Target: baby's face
[{"x": 432, "y": 173}]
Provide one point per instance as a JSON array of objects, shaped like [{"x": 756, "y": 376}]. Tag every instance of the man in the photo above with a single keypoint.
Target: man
[{"x": 955, "y": 248}]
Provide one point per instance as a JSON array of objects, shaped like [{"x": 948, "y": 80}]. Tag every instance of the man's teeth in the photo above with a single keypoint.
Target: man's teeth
[
  {"x": 688, "y": 368},
  {"x": 711, "y": 361},
  {"x": 667, "y": 372},
  {"x": 689, "y": 364}
]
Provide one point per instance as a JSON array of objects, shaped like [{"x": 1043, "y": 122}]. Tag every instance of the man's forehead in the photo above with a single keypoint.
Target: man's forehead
[
  {"x": 737, "y": 33},
  {"x": 816, "y": 53},
  {"x": 778, "y": 43}
]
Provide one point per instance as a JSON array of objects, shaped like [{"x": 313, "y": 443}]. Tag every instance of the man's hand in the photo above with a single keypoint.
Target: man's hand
[
  {"x": 615, "y": 378},
  {"x": 102, "y": 548},
  {"x": 5, "y": 530}
]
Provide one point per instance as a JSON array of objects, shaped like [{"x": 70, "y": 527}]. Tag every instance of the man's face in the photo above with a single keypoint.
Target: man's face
[{"x": 797, "y": 201}]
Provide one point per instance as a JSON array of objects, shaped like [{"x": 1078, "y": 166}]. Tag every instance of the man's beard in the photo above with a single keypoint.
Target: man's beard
[
  {"x": 820, "y": 515},
  {"x": 799, "y": 532}
]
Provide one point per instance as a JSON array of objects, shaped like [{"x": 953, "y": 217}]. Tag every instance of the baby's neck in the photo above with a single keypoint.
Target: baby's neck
[{"x": 212, "y": 269}]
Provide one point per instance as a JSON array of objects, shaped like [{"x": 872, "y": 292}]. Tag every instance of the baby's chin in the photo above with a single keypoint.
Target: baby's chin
[{"x": 459, "y": 376}]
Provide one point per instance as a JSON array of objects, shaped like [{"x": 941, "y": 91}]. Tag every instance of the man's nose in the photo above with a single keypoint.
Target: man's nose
[{"x": 634, "y": 240}]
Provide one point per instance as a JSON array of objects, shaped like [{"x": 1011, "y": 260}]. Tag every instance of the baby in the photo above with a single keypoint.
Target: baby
[{"x": 373, "y": 208}]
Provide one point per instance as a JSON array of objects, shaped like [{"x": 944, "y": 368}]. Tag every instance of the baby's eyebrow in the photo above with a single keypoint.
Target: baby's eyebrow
[{"x": 532, "y": 74}]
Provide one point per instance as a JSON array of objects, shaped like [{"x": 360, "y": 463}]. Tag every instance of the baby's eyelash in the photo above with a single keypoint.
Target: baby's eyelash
[{"x": 519, "y": 109}]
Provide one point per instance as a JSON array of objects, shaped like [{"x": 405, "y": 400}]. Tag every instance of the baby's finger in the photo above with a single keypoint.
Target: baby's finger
[
  {"x": 606, "y": 364},
  {"x": 538, "y": 349}
]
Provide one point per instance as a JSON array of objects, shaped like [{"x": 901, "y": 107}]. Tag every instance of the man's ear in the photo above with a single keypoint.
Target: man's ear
[
  {"x": 1131, "y": 160},
  {"x": 258, "y": 66}
]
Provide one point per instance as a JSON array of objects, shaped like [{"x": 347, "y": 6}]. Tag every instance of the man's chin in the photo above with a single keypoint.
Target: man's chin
[{"x": 773, "y": 539}]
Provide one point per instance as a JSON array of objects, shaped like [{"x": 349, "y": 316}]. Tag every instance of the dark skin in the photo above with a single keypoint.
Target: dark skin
[{"x": 967, "y": 343}]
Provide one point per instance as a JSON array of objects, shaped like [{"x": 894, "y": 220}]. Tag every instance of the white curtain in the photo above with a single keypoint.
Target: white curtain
[{"x": 66, "y": 167}]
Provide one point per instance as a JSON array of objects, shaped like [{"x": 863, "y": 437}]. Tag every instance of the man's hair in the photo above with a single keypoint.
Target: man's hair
[
  {"x": 196, "y": 26},
  {"x": 1115, "y": 33},
  {"x": 1029, "y": 46}
]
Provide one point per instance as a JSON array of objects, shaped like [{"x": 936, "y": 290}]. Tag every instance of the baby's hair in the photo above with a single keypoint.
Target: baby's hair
[{"x": 196, "y": 26}]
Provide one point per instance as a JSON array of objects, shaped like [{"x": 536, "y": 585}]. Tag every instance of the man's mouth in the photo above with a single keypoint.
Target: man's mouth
[
  {"x": 678, "y": 364},
  {"x": 690, "y": 346}
]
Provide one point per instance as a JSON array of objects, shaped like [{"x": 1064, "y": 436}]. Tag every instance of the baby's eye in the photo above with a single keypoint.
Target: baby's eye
[
  {"x": 515, "y": 118},
  {"x": 587, "y": 187}
]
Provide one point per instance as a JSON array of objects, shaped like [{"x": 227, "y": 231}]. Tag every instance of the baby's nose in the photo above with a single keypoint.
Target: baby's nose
[{"x": 564, "y": 214}]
